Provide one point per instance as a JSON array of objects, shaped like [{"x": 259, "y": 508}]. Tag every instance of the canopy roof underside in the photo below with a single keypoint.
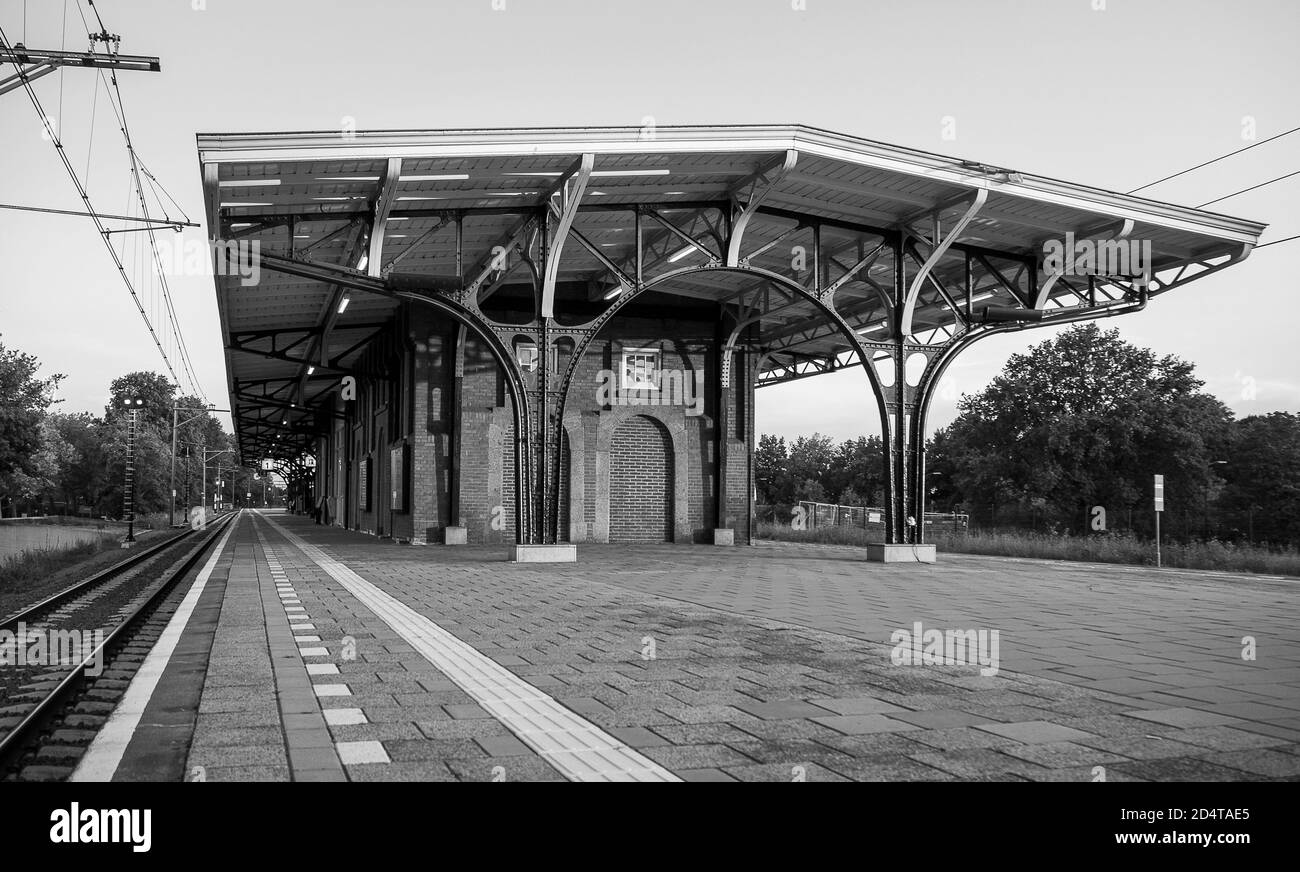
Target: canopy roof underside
[{"x": 826, "y": 209}]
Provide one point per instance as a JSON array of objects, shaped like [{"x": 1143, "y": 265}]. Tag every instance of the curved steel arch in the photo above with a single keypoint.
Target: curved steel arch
[
  {"x": 584, "y": 335},
  {"x": 475, "y": 320},
  {"x": 935, "y": 368}
]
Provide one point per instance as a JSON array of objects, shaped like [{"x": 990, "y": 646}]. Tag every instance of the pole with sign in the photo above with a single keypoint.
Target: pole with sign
[{"x": 1160, "y": 507}]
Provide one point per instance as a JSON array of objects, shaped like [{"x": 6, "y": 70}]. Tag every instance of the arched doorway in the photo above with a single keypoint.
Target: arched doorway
[{"x": 641, "y": 482}]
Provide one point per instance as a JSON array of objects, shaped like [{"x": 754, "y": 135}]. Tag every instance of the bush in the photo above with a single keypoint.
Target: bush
[{"x": 1107, "y": 548}]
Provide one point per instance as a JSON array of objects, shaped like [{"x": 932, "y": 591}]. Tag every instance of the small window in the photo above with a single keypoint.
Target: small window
[{"x": 641, "y": 369}]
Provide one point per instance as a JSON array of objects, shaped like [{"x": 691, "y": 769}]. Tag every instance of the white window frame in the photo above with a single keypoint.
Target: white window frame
[{"x": 655, "y": 354}]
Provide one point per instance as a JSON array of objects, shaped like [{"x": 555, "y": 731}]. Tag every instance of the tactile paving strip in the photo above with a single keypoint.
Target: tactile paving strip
[{"x": 576, "y": 747}]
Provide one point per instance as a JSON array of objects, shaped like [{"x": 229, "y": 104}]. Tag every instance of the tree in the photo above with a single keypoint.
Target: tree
[
  {"x": 158, "y": 395},
  {"x": 856, "y": 475},
  {"x": 1080, "y": 420},
  {"x": 38, "y": 485},
  {"x": 1261, "y": 495},
  {"x": 82, "y": 477},
  {"x": 24, "y": 398},
  {"x": 771, "y": 474},
  {"x": 811, "y": 459}
]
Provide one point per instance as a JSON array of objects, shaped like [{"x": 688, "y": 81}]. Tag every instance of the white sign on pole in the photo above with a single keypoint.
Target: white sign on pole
[{"x": 1160, "y": 493}]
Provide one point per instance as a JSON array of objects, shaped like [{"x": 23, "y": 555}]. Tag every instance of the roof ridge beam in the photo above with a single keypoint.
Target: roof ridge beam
[
  {"x": 383, "y": 205},
  {"x": 1109, "y": 232},
  {"x": 760, "y": 184},
  {"x": 569, "y": 190},
  {"x": 941, "y": 246}
]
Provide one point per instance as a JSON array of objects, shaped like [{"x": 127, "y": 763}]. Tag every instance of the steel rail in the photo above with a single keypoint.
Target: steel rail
[
  {"x": 103, "y": 575},
  {"x": 13, "y": 743}
]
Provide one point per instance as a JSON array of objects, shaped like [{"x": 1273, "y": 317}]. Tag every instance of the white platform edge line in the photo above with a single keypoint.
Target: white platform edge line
[
  {"x": 104, "y": 755},
  {"x": 406, "y": 622}
]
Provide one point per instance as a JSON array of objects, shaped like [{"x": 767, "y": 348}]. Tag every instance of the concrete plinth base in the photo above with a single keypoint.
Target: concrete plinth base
[
  {"x": 454, "y": 536},
  {"x": 559, "y": 553},
  {"x": 725, "y": 536},
  {"x": 884, "y": 553}
]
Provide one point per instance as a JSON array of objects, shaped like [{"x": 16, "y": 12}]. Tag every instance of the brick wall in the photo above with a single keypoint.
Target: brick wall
[
  {"x": 641, "y": 483},
  {"x": 422, "y": 359}
]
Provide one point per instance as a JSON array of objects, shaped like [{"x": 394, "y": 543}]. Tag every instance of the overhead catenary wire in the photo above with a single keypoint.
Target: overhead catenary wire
[
  {"x": 139, "y": 213},
  {"x": 1234, "y": 193},
  {"x": 1245, "y": 190},
  {"x": 90, "y": 207},
  {"x": 1278, "y": 241},
  {"x": 1215, "y": 160},
  {"x": 119, "y": 111},
  {"x": 161, "y": 222}
]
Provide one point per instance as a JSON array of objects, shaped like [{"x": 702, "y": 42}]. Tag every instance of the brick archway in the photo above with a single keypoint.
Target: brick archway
[
  {"x": 640, "y": 482},
  {"x": 673, "y": 430}
]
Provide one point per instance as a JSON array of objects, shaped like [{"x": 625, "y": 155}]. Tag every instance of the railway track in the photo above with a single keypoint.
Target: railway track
[{"x": 96, "y": 634}]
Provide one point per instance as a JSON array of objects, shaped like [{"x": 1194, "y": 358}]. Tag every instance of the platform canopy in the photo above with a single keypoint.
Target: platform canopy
[{"x": 903, "y": 243}]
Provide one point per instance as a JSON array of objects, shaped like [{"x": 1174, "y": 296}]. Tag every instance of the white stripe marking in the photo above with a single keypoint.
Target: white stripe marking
[
  {"x": 355, "y": 753},
  {"x": 344, "y": 717},
  {"x": 581, "y": 750},
  {"x": 105, "y": 753},
  {"x": 331, "y": 690}
]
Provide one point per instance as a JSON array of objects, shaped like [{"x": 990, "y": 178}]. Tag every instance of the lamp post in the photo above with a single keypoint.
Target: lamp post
[
  {"x": 171, "y": 515},
  {"x": 203, "y": 475},
  {"x": 133, "y": 405}
]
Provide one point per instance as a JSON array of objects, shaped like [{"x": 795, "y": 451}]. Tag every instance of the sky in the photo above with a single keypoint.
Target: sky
[{"x": 1114, "y": 97}]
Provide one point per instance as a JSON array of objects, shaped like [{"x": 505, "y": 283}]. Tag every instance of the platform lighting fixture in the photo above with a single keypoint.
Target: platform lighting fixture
[
  {"x": 248, "y": 183},
  {"x": 310, "y": 370},
  {"x": 618, "y": 173},
  {"x": 343, "y": 304},
  {"x": 685, "y": 251},
  {"x": 978, "y": 298},
  {"x": 446, "y": 177}
]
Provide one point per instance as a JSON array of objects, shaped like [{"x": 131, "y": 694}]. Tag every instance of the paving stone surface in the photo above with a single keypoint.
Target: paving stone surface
[{"x": 774, "y": 663}]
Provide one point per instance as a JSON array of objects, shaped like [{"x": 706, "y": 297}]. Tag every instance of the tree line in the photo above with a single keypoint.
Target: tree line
[
  {"x": 54, "y": 462},
  {"x": 1079, "y": 421}
]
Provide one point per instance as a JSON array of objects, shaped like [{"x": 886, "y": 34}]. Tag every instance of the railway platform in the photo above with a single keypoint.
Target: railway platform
[{"x": 309, "y": 653}]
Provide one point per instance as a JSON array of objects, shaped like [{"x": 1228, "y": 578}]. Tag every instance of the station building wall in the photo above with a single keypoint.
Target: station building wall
[{"x": 412, "y": 454}]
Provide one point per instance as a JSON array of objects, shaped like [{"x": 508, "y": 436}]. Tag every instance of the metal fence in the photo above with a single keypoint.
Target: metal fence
[{"x": 811, "y": 515}]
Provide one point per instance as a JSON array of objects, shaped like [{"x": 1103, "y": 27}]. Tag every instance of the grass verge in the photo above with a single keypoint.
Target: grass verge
[{"x": 1108, "y": 548}]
